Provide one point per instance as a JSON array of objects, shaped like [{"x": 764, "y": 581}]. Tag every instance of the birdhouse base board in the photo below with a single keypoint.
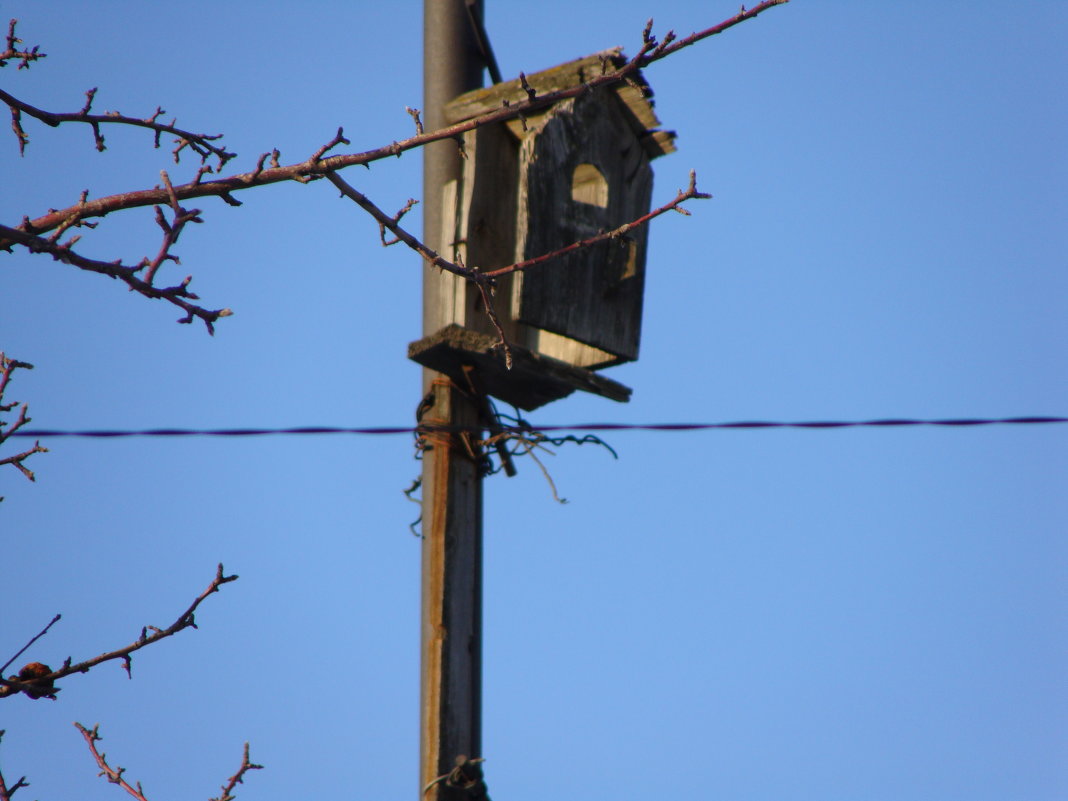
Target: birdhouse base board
[{"x": 533, "y": 381}]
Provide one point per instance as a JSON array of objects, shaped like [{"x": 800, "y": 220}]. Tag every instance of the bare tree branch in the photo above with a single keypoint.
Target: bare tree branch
[
  {"x": 199, "y": 143},
  {"x": 316, "y": 166},
  {"x": 484, "y": 280},
  {"x": 238, "y": 778},
  {"x": 690, "y": 193},
  {"x": 6, "y": 793},
  {"x": 7, "y": 367},
  {"x": 474, "y": 274},
  {"x": 389, "y": 223},
  {"x": 666, "y": 48},
  {"x": 29, "y": 232},
  {"x": 385, "y": 222},
  {"x": 35, "y": 684},
  {"x": 12, "y": 51},
  {"x": 115, "y": 775},
  {"x": 178, "y": 294}
]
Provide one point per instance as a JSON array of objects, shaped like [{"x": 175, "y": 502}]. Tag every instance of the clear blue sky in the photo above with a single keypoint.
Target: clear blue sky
[{"x": 856, "y": 614}]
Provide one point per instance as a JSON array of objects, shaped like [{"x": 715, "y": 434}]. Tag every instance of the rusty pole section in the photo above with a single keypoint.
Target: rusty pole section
[{"x": 451, "y": 631}]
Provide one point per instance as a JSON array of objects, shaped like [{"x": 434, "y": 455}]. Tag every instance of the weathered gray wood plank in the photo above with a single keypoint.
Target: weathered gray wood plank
[{"x": 533, "y": 381}]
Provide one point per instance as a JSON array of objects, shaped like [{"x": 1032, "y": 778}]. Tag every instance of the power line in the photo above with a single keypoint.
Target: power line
[{"x": 660, "y": 427}]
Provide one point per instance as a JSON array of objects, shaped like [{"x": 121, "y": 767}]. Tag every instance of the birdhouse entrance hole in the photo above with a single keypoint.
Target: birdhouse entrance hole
[{"x": 588, "y": 185}]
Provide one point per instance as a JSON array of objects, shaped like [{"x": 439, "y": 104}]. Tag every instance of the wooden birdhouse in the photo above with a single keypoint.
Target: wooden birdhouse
[{"x": 534, "y": 185}]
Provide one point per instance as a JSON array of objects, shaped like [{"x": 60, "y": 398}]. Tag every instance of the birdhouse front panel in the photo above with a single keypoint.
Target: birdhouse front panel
[{"x": 583, "y": 172}]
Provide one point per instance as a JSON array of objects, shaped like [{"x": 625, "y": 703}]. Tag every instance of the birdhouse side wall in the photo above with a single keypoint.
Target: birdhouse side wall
[{"x": 486, "y": 223}]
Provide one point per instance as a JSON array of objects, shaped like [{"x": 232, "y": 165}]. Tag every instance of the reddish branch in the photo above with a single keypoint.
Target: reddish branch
[
  {"x": 386, "y": 222},
  {"x": 6, "y": 792},
  {"x": 312, "y": 168},
  {"x": 131, "y": 275},
  {"x": 391, "y": 224},
  {"x": 115, "y": 775},
  {"x": 316, "y": 166},
  {"x": 7, "y": 367},
  {"x": 13, "y": 685},
  {"x": 690, "y": 193},
  {"x": 238, "y": 778},
  {"x": 435, "y": 259},
  {"x": 179, "y": 295},
  {"x": 485, "y": 280}
]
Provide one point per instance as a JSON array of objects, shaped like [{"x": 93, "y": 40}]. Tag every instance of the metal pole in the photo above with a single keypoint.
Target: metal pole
[{"x": 451, "y": 631}]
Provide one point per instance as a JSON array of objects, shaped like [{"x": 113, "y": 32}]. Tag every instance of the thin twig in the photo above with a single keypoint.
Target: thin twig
[
  {"x": 391, "y": 225},
  {"x": 18, "y": 459},
  {"x": 113, "y": 775},
  {"x": 668, "y": 47},
  {"x": 690, "y": 193},
  {"x": 414, "y": 113},
  {"x": 7, "y": 367},
  {"x": 12, "y": 51},
  {"x": 483, "y": 280},
  {"x": 201, "y": 144},
  {"x": 484, "y": 284},
  {"x": 238, "y": 778},
  {"x": 185, "y": 620},
  {"x": 6, "y": 792},
  {"x": 396, "y": 219},
  {"x": 22, "y": 650}
]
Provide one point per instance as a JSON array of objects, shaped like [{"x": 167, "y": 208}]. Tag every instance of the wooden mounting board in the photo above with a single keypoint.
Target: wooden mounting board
[{"x": 533, "y": 381}]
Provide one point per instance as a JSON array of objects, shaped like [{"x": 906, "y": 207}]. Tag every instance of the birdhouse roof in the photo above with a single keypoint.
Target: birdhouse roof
[{"x": 634, "y": 94}]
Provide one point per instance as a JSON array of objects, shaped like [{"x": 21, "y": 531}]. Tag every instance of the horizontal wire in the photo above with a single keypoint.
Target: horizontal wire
[{"x": 380, "y": 430}]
